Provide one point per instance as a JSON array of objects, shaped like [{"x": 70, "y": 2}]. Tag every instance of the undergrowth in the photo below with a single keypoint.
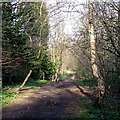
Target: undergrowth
[
  {"x": 63, "y": 76},
  {"x": 110, "y": 111}
]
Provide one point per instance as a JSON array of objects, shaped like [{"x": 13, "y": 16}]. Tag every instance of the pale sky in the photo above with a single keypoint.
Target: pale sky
[{"x": 70, "y": 18}]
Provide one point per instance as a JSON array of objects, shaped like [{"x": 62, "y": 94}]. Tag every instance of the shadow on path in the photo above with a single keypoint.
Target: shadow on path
[
  {"x": 52, "y": 101},
  {"x": 86, "y": 93}
]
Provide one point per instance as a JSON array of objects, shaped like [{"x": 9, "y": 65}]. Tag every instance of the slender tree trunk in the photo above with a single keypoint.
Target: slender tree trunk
[
  {"x": 95, "y": 69},
  {"x": 26, "y": 79}
]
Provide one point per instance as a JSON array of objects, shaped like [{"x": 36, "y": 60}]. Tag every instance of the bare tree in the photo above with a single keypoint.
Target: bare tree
[{"x": 96, "y": 72}]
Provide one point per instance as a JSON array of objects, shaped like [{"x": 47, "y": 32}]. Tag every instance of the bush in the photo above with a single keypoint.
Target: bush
[
  {"x": 113, "y": 82},
  {"x": 43, "y": 67},
  {"x": 99, "y": 114}
]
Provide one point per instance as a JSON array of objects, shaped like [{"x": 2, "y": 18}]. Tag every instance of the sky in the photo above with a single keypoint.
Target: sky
[{"x": 70, "y": 18}]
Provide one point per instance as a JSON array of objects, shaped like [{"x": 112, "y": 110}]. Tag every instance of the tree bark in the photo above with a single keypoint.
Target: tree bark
[{"x": 95, "y": 69}]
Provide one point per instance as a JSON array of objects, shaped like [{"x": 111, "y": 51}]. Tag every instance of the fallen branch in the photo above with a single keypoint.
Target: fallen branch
[{"x": 26, "y": 79}]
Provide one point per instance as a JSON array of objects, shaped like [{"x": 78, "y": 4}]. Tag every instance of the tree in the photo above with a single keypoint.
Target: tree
[
  {"x": 96, "y": 72},
  {"x": 107, "y": 33},
  {"x": 36, "y": 28},
  {"x": 12, "y": 42},
  {"x": 25, "y": 34}
]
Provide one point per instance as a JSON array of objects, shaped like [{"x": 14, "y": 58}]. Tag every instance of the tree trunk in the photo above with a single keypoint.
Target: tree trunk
[
  {"x": 95, "y": 69},
  {"x": 26, "y": 79}
]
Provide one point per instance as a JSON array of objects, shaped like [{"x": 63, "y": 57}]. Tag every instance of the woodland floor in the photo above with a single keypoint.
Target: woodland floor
[{"x": 62, "y": 99}]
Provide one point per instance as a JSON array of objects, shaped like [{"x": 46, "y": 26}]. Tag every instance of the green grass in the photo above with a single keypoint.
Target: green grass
[
  {"x": 87, "y": 82},
  {"x": 42, "y": 82},
  {"x": 111, "y": 110},
  {"x": 99, "y": 114},
  {"x": 9, "y": 92},
  {"x": 7, "y": 97},
  {"x": 36, "y": 83},
  {"x": 92, "y": 113},
  {"x": 96, "y": 114},
  {"x": 63, "y": 76}
]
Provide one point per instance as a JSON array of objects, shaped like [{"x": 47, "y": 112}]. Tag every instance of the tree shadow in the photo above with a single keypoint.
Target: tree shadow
[
  {"x": 42, "y": 108},
  {"x": 85, "y": 93},
  {"x": 48, "y": 102},
  {"x": 54, "y": 102}
]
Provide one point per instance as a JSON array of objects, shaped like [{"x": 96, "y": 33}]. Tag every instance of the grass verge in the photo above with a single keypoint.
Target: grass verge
[
  {"x": 9, "y": 93},
  {"x": 88, "y": 111},
  {"x": 87, "y": 82},
  {"x": 110, "y": 111}
]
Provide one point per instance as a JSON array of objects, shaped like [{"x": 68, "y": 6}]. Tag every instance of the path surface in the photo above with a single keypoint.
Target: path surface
[{"x": 54, "y": 100}]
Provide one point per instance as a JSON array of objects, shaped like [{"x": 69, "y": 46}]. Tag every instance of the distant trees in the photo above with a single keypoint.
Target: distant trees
[{"x": 57, "y": 45}]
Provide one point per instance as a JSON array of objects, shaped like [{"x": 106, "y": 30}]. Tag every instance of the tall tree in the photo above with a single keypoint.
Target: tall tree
[
  {"x": 36, "y": 28},
  {"x": 25, "y": 34},
  {"x": 12, "y": 42},
  {"x": 96, "y": 72}
]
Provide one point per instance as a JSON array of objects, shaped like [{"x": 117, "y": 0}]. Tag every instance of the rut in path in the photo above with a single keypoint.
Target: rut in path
[{"x": 54, "y": 100}]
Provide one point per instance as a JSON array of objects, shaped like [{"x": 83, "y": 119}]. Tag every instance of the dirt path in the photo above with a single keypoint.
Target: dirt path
[{"x": 54, "y": 100}]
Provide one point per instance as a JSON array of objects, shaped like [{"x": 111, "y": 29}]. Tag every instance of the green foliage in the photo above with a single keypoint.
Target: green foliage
[
  {"x": 112, "y": 102},
  {"x": 20, "y": 22},
  {"x": 37, "y": 20},
  {"x": 37, "y": 26},
  {"x": 7, "y": 97},
  {"x": 112, "y": 81},
  {"x": 36, "y": 83},
  {"x": 97, "y": 114},
  {"x": 87, "y": 82},
  {"x": 13, "y": 41},
  {"x": 81, "y": 71},
  {"x": 63, "y": 76},
  {"x": 42, "y": 67},
  {"x": 42, "y": 82},
  {"x": 11, "y": 35},
  {"x": 7, "y": 23},
  {"x": 89, "y": 112},
  {"x": 94, "y": 114},
  {"x": 13, "y": 76},
  {"x": 9, "y": 92}
]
